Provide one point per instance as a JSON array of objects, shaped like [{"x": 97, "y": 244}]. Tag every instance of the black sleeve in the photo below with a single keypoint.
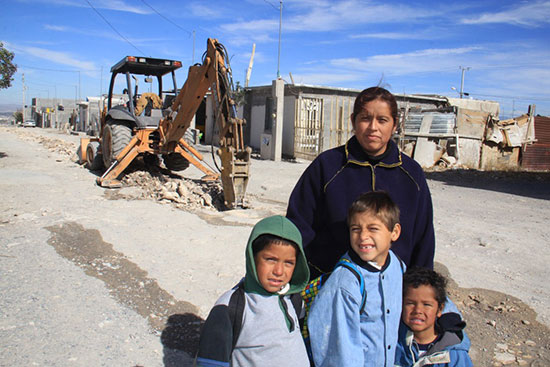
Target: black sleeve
[{"x": 216, "y": 337}]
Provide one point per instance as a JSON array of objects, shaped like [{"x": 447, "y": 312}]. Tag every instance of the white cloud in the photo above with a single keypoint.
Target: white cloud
[
  {"x": 117, "y": 5},
  {"x": 57, "y": 28},
  {"x": 527, "y": 14},
  {"x": 107, "y": 34},
  {"x": 205, "y": 11},
  {"x": 395, "y": 35},
  {"x": 319, "y": 16},
  {"x": 61, "y": 58},
  {"x": 252, "y": 26},
  {"x": 120, "y": 5},
  {"x": 429, "y": 60}
]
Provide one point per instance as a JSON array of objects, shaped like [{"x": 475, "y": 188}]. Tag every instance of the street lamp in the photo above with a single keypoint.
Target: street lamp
[
  {"x": 461, "y": 93},
  {"x": 464, "y": 69}
]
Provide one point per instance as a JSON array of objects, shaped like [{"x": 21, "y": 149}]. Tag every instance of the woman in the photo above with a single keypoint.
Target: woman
[{"x": 369, "y": 161}]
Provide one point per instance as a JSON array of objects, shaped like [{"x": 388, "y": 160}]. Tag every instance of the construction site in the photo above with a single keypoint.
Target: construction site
[{"x": 126, "y": 214}]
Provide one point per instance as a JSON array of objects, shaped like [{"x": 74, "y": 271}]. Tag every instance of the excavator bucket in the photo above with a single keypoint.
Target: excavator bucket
[{"x": 234, "y": 176}]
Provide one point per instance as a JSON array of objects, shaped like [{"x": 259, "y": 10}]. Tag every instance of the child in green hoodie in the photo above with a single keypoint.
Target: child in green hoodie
[{"x": 264, "y": 331}]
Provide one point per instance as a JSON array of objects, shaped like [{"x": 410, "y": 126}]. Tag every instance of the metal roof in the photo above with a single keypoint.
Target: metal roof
[{"x": 145, "y": 66}]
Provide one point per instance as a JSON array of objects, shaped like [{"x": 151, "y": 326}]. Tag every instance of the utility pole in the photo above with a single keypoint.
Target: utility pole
[
  {"x": 280, "y": 26},
  {"x": 23, "y": 83},
  {"x": 464, "y": 69},
  {"x": 249, "y": 70}
]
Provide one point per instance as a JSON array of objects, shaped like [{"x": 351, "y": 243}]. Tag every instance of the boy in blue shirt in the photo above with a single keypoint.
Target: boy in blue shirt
[
  {"x": 426, "y": 336},
  {"x": 341, "y": 333}
]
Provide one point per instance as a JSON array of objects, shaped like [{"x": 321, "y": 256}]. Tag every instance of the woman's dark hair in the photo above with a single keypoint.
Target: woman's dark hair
[
  {"x": 415, "y": 277},
  {"x": 372, "y": 93},
  {"x": 265, "y": 239}
]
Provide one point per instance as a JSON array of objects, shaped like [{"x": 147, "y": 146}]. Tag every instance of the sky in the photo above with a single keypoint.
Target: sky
[{"x": 65, "y": 48}]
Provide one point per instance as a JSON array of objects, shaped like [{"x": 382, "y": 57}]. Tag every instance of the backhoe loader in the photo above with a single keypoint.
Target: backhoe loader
[{"x": 154, "y": 124}]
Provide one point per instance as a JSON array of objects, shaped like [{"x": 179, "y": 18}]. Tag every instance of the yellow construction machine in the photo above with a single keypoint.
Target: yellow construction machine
[{"x": 154, "y": 124}]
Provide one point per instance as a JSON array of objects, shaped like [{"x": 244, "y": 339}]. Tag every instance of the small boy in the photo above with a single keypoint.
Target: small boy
[
  {"x": 341, "y": 333},
  {"x": 426, "y": 336},
  {"x": 269, "y": 333}
]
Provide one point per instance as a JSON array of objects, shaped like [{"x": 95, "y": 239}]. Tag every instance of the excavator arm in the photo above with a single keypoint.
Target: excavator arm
[{"x": 214, "y": 75}]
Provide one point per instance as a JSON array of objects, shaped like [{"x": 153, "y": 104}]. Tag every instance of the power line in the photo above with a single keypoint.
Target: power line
[
  {"x": 274, "y": 7},
  {"x": 114, "y": 29},
  {"x": 162, "y": 16}
]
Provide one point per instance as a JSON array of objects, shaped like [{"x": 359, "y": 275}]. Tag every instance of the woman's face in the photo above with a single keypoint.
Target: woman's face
[{"x": 374, "y": 126}]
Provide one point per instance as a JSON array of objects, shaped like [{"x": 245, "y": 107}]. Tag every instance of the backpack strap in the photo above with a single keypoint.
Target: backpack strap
[
  {"x": 236, "y": 311},
  {"x": 353, "y": 268},
  {"x": 401, "y": 263},
  {"x": 296, "y": 299}
]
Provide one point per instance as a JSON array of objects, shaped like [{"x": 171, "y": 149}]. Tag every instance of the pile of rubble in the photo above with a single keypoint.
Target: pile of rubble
[
  {"x": 59, "y": 146},
  {"x": 157, "y": 184},
  {"x": 63, "y": 147}
]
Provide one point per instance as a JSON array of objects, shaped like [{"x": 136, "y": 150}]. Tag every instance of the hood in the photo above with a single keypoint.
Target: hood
[
  {"x": 451, "y": 328},
  {"x": 281, "y": 227}
]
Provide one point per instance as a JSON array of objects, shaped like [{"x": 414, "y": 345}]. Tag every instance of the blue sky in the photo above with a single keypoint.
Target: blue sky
[{"x": 409, "y": 46}]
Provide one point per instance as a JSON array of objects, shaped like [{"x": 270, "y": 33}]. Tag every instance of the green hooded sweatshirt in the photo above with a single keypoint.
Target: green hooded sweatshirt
[
  {"x": 281, "y": 227},
  {"x": 270, "y": 335}
]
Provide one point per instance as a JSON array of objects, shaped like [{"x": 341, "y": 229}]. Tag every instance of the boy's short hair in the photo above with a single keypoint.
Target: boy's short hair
[
  {"x": 265, "y": 239},
  {"x": 380, "y": 204},
  {"x": 415, "y": 277}
]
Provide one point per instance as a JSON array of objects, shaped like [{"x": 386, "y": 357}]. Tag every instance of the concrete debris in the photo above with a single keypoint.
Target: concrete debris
[
  {"x": 63, "y": 147},
  {"x": 505, "y": 358},
  {"x": 184, "y": 193}
]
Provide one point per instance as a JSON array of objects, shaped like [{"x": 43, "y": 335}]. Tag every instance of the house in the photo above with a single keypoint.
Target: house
[{"x": 432, "y": 129}]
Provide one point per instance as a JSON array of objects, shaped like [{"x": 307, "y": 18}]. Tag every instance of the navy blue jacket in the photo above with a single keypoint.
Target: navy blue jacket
[{"x": 319, "y": 202}]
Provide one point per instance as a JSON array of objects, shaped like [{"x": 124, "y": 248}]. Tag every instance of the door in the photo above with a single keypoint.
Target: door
[{"x": 308, "y": 127}]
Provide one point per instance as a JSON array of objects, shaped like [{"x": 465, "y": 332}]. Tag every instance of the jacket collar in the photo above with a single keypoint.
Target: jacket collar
[
  {"x": 355, "y": 154},
  {"x": 365, "y": 265}
]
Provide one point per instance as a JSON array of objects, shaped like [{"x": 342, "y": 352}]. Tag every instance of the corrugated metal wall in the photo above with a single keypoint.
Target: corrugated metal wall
[
  {"x": 442, "y": 123},
  {"x": 537, "y": 156}
]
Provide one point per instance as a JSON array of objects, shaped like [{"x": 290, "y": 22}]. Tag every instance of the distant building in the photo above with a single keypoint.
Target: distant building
[{"x": 434, "y": 130}]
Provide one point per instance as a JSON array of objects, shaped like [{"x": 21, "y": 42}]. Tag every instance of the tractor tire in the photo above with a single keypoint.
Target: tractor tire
[
  {"x": 94, "y": 158},
  {"x": 116, "y": 136},
  {"x": 175, "y": 162}
]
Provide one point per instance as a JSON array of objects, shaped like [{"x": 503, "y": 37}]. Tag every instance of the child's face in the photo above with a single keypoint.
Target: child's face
[
  {"x": 275, "y": 265},
  {"x": 370, "y": 238},
  {"x": 420, "y": 309},
  {"x": 374, "y": 126}
]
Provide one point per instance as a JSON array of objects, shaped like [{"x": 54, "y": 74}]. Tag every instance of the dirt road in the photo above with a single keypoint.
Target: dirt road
[{"x": 115, "y": 277}]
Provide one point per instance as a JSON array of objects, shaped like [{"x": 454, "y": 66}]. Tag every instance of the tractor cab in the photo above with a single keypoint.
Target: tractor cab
[{"x": 141, "y": 106}]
